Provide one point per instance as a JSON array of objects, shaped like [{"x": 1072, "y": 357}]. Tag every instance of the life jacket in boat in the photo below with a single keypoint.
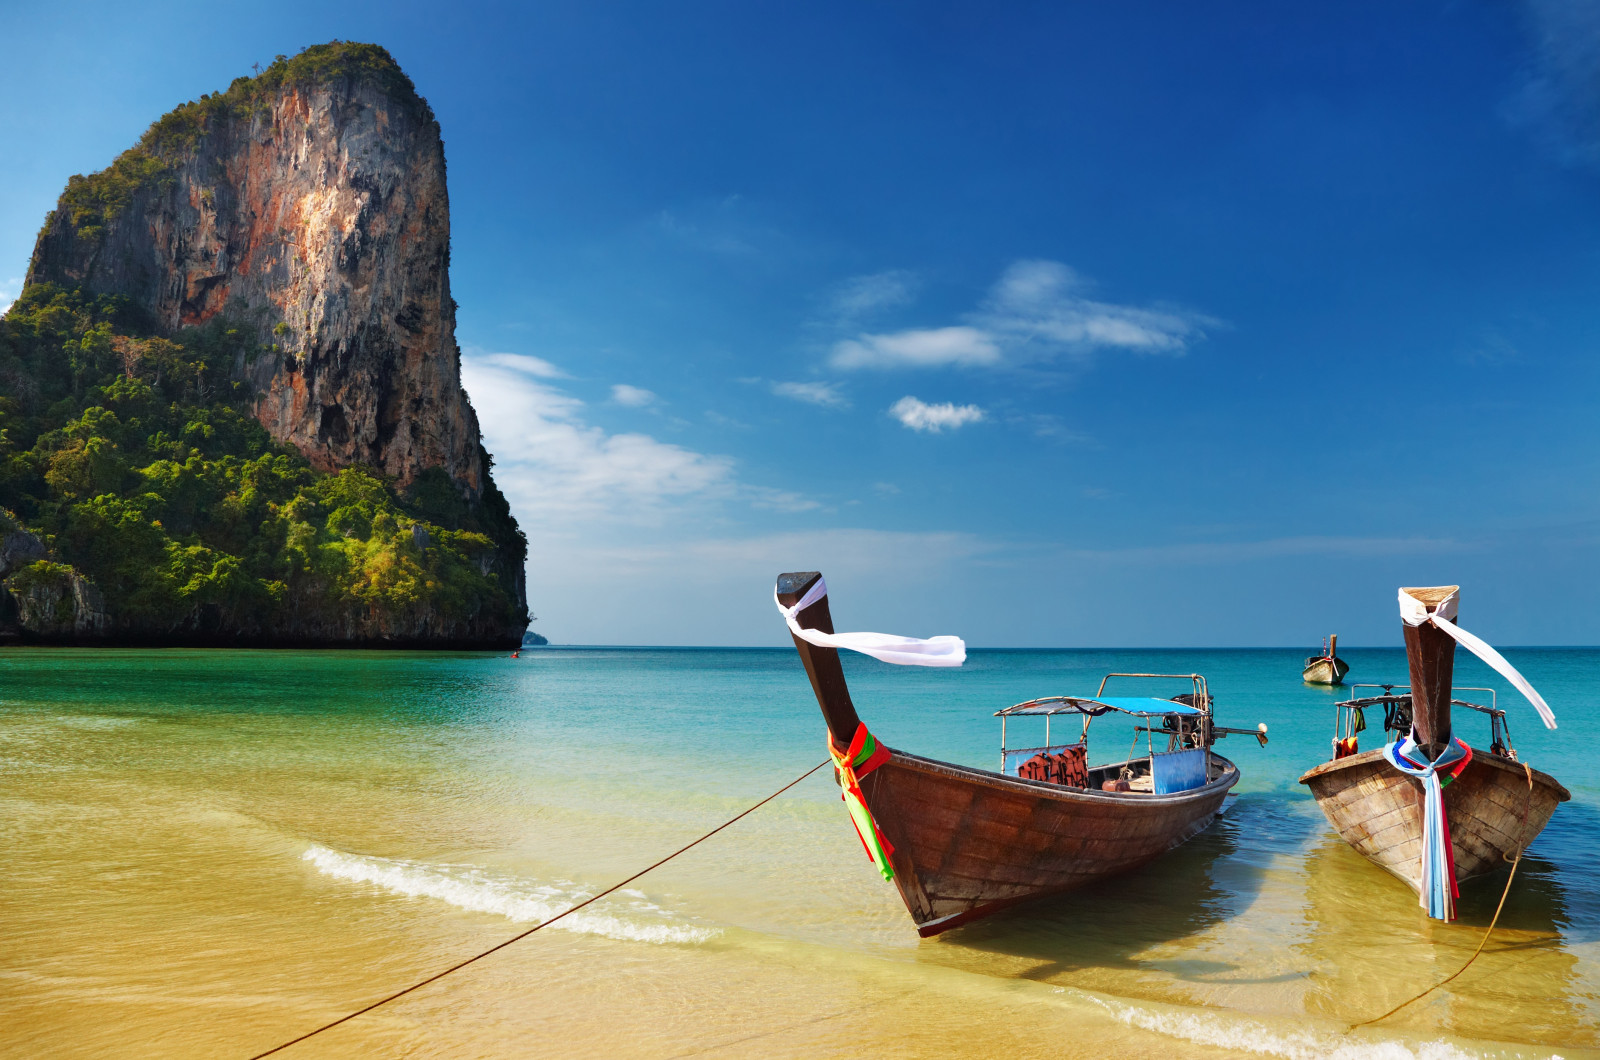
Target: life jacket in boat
[{"x": 1069, "y": 767}]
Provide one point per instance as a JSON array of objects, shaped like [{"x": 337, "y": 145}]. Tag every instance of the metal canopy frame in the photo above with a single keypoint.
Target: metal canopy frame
[
  {"x": 1346, "y": 712},
  {"x": 1090, "y": 708}
]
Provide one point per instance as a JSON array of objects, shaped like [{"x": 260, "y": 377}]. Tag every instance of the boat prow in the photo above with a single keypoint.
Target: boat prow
[
  {"x": 1327, "y": 668},
  {"x": 1495, "y": 807}
]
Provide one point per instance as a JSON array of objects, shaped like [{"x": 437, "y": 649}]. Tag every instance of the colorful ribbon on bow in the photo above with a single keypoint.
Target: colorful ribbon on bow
[
  {"x": 865, "y": 755},
  {"x": 1439, "y": 891}
]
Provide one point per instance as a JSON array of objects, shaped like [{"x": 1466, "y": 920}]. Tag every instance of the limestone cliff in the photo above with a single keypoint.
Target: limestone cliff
[
  {"x": 302, "y": 214},
  {"x": 310, "y": 205}
]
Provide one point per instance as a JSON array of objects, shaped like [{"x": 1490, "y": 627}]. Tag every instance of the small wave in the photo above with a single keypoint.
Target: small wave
[
  {"x": 1253, "y": 1036},
  {"x": 514, "y": 898}
]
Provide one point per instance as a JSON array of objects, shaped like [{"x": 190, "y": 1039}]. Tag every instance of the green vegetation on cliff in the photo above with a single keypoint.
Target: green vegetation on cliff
[
  {"x": 92, "y": 200},
  {"x": 136, "y": 461}
]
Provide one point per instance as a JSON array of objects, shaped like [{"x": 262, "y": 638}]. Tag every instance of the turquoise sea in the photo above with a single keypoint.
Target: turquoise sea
[{"x": 209, "y": 852}]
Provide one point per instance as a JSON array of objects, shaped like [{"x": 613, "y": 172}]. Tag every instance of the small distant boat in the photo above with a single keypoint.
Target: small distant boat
[
  {"x": 1327, "y": 668},
  {"x": 1427, "y": 807},
  {"x": 961, "y": 842}
]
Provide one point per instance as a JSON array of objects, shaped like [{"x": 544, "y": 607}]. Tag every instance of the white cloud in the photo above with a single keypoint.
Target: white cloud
[
  {"x": 1042, "y": 302},
  {"x": 921, "y": 416},
  {"x": 918, "y": 348},
  {"x": 632, "y": 396},
  {"x": 520, "y": 362},
  {"x": 559, "y": 470},
  {"x": 1036, "y": 310},
  {"x": 825, "y": 394},
  {"x": 9, "y": 290}
]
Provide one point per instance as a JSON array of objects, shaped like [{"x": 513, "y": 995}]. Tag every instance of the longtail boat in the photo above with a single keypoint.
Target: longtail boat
[
  {"x": 961, "y": 842},
  {"x": 1327, "y": 668},
  {"x": 1428, "y": 807}
]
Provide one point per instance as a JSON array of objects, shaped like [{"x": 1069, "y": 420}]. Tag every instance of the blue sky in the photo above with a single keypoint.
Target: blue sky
[{"x": 1128, "y": 324}]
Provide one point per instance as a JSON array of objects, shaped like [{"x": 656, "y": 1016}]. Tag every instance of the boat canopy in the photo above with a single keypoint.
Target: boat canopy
[{"x": 1139, "y": 706}]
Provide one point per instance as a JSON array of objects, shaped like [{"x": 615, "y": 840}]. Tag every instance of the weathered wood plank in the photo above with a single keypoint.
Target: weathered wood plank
[{"x": 1378, "y": 811}]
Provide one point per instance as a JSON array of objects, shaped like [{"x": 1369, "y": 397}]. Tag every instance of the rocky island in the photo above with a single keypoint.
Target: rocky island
[{"x": 230, "y": 393}]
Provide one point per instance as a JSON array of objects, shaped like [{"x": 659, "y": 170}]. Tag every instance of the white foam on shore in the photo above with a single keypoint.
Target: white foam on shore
[
  {"x": 514, "y": 898},
  {"x": 1254, "y": 1036}
]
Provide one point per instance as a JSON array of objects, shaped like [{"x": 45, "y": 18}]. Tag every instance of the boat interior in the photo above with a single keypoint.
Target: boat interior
[
  {"x": 1136, "y": 771},
  {"x": 1350, "y": 718},
  {"x": 1183, "y": 723}
]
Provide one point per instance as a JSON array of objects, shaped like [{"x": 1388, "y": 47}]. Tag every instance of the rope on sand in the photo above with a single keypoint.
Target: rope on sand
[
  {"x": 1481, "y": 942},
  {"x": 544, "y": 923}
]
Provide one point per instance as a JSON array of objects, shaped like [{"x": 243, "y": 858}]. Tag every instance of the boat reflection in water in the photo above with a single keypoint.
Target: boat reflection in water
[
  {"x": 1368, "y": 950},
  {"x": 1124, "y": 935}
]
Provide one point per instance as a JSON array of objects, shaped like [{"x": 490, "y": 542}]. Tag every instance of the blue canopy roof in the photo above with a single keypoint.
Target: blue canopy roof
[{"x": 1144, "y": 706}]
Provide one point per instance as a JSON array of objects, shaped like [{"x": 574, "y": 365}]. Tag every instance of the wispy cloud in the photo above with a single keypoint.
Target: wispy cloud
[
  {"x": 862, "y": 296},
  {"x": 825, "y": 394},
  {"x": 1050, "y": 426},
  {"x": 732, "y": 226},
  {"x": 633, "y": 397},
  {"x": 1492, "y": 348},
  {"x": 1044, "y": 303},
  {"x": 1558, "y": 101},
  {"x": 1036, "y": 311},
  {"x": 537, "y": 367},
  {"x": 921, "y": 416},
  {"x": 558, "y": 469},
  {"x": 1204, "y": 552},
  {"x": 779, "y": 500},
  {"x": 918, "y": 348}
]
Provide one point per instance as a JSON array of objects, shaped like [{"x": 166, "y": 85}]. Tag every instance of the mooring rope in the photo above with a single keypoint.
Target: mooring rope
[
  {"x": 542, "y": 924},
  {"x": 1522, "y": 844}
]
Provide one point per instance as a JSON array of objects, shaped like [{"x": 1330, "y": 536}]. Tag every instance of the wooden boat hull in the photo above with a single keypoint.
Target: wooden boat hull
[
  {"x": 968, "y": 842},
  {"x": 1492, "y": 811},
  {"x": 1325, "y": 672}
]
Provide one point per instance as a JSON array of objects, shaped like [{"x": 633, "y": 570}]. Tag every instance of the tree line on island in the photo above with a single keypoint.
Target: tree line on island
[{"x": 144, "y": 502}]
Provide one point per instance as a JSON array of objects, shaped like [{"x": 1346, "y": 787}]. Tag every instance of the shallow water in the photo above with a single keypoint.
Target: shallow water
[{"x": 211, "y": 852}]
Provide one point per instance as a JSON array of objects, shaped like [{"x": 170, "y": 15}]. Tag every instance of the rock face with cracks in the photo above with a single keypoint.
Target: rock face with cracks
[{"x": 307, "y": 209}]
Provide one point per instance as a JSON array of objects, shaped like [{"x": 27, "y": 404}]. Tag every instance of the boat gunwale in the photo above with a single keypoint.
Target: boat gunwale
[
  {"x": 1488, "y": 758},
  {"x": 975, "y": 774}
]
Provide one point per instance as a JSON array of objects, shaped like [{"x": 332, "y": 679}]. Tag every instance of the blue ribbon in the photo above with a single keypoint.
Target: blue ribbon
[{"x": 1438, "y": 892}]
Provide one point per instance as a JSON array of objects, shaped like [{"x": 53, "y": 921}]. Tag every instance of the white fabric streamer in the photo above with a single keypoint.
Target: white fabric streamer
[
  {"x": 902, "y": 651},
  {"x": 1414, "y": 612}
]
